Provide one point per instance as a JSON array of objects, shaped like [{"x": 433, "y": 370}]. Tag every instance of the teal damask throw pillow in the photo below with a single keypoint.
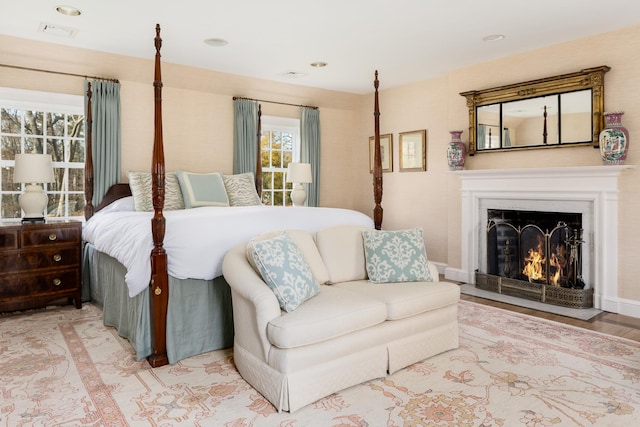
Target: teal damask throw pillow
[
  {"x": 283, "y": 268},
  {"x": 396, "y": 256}
]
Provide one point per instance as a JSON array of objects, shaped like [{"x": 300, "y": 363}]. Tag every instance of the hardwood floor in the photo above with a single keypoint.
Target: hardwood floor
[{"x": 608, "y": 323}]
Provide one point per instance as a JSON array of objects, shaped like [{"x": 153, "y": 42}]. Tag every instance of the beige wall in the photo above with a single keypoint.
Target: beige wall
[
  {"x": 197, "y": 109},
  {"x": 198, "y": 128},
  {"x": 432, "y": 199}
]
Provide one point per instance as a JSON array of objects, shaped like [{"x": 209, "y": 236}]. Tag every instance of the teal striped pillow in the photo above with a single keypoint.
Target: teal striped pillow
[
  {"x": 396, "y": 256},
  {"x": 241, "y": 189},
  {"x": 140, "y": 185},
  {"x": 202, "y": 189}
]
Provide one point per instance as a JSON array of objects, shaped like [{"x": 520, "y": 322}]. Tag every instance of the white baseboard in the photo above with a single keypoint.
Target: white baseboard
[
  {"x": 456, "y": 275},
  {"x": 623, "y": 306},
  {"x": 441, "y": 266}
]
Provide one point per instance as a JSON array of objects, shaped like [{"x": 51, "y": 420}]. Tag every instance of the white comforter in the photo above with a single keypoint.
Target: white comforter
[{"x": 196, "y": 240}]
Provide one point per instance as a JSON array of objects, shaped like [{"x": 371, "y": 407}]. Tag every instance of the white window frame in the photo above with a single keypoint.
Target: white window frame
[
  {"x": 45, "y": 102},
  {"x": 283, "y": 124}
]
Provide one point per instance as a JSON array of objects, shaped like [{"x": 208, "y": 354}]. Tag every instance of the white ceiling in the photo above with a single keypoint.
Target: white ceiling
[{"x": 406, "y": 40}]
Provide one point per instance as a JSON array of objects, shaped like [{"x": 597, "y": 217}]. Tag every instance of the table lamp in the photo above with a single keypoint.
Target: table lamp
[
  {"x": 33, "y": 170},
  {"x": 299, "y": 173}
]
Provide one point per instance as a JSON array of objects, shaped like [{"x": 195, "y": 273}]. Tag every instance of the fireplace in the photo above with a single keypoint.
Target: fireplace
[
  {"x": 535, "y": 255},
  {"x": 590, "y": 191}
]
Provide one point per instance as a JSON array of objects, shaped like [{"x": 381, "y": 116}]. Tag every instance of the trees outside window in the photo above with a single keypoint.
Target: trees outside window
[
  {"x": 280, "y": 145},
  {"x": 43, "y": 123}
]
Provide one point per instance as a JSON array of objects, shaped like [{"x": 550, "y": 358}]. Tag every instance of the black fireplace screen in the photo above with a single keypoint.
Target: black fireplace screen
[{"x": 540, "y": 247}]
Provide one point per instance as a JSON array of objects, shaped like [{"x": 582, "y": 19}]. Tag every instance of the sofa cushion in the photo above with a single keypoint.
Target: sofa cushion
[
  {"x": 342, "y": 250},
  {"x": 284, "y": 270},
  {"x": 408, "y": 298},
  {"x": 396, "y": 256},
  {"x": 307, "y": 245},
  {"x": 332, "y": 313}
]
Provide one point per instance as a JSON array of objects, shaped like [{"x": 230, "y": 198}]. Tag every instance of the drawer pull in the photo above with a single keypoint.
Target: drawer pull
[
  {"x": 57, "y": 257},
  {"x": 57, "y": 282},
  {"x": 52, "y": 237}
]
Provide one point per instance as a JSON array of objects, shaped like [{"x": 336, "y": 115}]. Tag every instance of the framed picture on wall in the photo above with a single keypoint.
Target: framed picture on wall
[
  {"x": 386, "y": 152},
  {"x": 413, "y": 151}
]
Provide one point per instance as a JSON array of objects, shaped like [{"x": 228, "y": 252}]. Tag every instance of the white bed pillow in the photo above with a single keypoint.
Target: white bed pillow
[
  {"x": 241, "y": 189},
  {"x": 202, "y": 189},
  {"x": 124, "y": 204},
  {"x": 140, "y": 185}
]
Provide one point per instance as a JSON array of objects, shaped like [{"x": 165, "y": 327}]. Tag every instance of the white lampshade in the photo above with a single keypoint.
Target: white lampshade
[
  {"x": 33, "y": 169},
  {"x": 299, "y": 172}
]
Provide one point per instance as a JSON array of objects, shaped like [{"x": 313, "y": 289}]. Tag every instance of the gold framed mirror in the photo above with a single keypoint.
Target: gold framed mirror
[{"x": 560, "y": 111}]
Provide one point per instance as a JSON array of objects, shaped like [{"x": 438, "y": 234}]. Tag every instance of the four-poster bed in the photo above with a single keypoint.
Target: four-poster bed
[{"x": 171, "y": 319}]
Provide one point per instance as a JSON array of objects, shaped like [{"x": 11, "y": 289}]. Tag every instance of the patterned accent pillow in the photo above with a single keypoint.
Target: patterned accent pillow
[
  {"x": 283, "y": 268},
  {"x": 140, "y": 184},
  {"x": 241, "y": 189},
  {"x": 202, "y": 189},
  {"x": 396, "y": 256}
]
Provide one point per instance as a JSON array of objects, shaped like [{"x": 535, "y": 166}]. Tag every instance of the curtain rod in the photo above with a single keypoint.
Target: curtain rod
[
  {"x": 59, "y": 72},
  {"x": 274, "y": 102}
]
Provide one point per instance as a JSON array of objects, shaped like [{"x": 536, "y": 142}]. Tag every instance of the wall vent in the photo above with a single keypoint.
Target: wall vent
[{"x": 57, "y": 30}]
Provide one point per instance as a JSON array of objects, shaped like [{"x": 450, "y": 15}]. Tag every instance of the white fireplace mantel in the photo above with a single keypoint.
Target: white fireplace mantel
[{"x": 590, "y": 190}]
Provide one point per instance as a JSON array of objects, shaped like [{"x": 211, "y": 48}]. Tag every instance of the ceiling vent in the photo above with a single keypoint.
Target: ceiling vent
[
  {"x": 57, "y": 30},
  {"x": 293, "y": 74}
]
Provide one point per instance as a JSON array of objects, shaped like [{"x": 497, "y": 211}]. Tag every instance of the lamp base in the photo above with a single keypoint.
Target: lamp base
[
  {"x": 33, "y": 202},
  {"x": 39, "y": 220},
  {"x": 298, "y": 195}
]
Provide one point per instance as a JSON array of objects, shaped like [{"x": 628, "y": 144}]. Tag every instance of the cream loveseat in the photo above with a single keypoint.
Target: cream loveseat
[{"x": 350, "y": 332}]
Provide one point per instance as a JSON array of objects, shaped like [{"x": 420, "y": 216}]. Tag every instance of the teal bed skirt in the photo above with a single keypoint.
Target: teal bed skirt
[{"x": 199, "y": 315}]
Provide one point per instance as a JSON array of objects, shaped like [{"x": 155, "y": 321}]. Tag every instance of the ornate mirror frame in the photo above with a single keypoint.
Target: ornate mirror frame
[{"x": 589, "y": 78}]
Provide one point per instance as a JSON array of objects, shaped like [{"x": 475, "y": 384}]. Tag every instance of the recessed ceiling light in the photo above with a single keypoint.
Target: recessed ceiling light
[
  {"x": 493, "y": 37},
  {"x": 216, "y": 42},
  {"x": 68, "y": 10},
  {"x": 319, "y": 64}
]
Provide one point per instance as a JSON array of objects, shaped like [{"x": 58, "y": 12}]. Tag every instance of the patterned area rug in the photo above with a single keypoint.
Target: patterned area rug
[{"x": 61, "y": 367}]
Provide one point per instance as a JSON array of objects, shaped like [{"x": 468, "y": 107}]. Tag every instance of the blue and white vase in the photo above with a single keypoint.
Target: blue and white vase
[{"x": 614, "y": 139}]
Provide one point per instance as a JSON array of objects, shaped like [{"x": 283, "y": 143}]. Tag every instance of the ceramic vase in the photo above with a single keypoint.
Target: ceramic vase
[
  {"x": 614, "y": 139},
  {"x": 456, "y": 151}
]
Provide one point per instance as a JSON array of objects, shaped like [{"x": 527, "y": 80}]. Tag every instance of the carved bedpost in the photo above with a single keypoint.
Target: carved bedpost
[
  {"x": 377, "y": 160},
  {"x": 88, "y": 163},
  {"x": 159, "y": 285},
  {"x": 258, "y": 177}
]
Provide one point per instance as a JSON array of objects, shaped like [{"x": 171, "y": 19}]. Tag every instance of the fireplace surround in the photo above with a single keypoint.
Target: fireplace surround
[{"x": 591, "y": 191}]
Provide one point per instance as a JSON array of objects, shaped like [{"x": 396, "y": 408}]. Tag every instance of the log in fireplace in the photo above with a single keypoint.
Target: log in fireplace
[{"x": 535, "y": 255}]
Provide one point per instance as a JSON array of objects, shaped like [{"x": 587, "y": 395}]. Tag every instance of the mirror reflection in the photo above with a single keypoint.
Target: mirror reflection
[{"x": 547, "y": 120}]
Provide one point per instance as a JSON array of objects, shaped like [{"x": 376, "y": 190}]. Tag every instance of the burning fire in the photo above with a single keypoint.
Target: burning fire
[
  {"x": 559, "y": 261},
  {"x": 535, "y": 263}
]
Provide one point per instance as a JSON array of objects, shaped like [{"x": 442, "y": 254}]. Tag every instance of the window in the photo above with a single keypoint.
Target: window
[
  {"x": 280, "y": 145},
  {"x": 43, "y": 123}
]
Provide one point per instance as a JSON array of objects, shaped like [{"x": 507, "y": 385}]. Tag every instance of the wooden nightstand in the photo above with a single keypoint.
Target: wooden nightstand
[{"x": 40, "y": 263}]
